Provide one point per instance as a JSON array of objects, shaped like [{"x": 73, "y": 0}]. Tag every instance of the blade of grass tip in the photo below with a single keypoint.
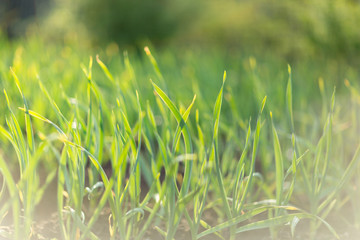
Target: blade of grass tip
[
  {"x": 289, "y": 103},
  {"x": 7, "y": 100},
  {"x": 217, "y": 109},
  {"x": 333, "y": 101},
  {"x": 179, "y": 127},
  {"x": 129, "y": 68},
  {"x": 323, "y": 96},
  {"x": 4, "y": 132},
  {"x": 100, "y": 136},
  {"x": 253, "y": 157},
  {"x": 155, "y": 65},
  {"x": 188, "y": 149},
  {"x": 279, "y": 165},
  {"x": 17, "y": 82},
  {"x": 289, "y": 99},
  {"x": 95, "y": 89},
  {"x": 89, "y": 72},
  {"x": 126, "y": 125},
  {"x": 180, "y": 206},
  {"x": 167, "y": 102},
  {"x": 263, "y": 103},
  {"x": 105, "y": 69},
  {"x": 216, "y": 121},
  {"x": 28, "y": 126},
  {"x": 38, "y": 116},
  {"x": 186, "y": 135}
]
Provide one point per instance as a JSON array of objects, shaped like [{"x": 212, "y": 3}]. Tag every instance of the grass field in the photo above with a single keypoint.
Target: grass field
[{"x": 117, "y": 145}]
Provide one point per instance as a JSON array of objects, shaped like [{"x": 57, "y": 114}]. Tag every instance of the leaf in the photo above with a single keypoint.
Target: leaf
[{"x": 38, "y": 116}]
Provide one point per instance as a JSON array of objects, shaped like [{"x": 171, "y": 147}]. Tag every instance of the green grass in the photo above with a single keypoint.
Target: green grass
[{"x": 163, "y": 140}]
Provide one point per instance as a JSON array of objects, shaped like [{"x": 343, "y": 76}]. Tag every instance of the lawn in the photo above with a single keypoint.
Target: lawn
[{"x": 176, "y": 143}]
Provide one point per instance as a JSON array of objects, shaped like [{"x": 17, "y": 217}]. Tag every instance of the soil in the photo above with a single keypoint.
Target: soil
[{"x": 47, "y": 228}]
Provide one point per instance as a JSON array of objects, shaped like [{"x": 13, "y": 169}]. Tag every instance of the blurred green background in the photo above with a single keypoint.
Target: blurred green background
[
  {"x": 194, "y": 42},
  {"x": 292, "y": 30}
]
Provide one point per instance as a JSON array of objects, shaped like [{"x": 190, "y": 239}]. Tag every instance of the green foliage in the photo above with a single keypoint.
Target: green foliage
[
  {"x": 289, "y": 29},
  {"x": 127, "y": 22},
  {"x": 292, "y": 29}
]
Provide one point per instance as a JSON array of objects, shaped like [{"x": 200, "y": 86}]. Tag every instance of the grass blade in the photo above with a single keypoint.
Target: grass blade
[{"x": 279, "y": 165}]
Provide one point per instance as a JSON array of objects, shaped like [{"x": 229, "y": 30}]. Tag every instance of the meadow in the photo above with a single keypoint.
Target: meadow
[{"x": 175, "y": 144}]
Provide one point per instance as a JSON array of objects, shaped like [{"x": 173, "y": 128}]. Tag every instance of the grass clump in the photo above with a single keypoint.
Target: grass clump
[{"x": 140, "y": 158}]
